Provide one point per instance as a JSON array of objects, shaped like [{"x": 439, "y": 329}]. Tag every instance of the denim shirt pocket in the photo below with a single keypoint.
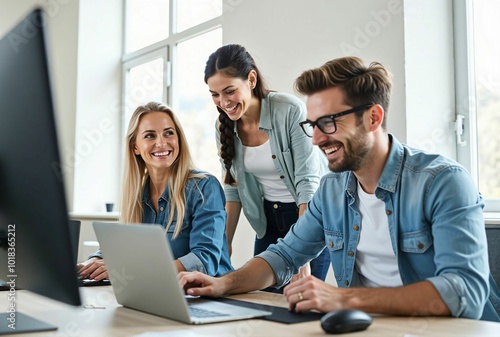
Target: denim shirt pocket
[
  {"x": 416, "y": 242},
  {"x": 335, "y": 245}
]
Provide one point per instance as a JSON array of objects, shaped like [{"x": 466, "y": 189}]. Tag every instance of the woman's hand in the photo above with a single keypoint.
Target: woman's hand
[{"x": 94, "y": 269}]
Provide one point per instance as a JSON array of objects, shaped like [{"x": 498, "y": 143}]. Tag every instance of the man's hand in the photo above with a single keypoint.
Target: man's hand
[
  {"x": 310, "y": 293},
  {"x": 304, "y": 271},
  {"x": 199, "y": 284},
  {"x": 94, "y": 269}
]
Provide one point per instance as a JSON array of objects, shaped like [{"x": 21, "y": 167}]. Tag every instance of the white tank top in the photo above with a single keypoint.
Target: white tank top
[
  {"x": 258, "y": 161},
  {"x": 375, "y": 260}
]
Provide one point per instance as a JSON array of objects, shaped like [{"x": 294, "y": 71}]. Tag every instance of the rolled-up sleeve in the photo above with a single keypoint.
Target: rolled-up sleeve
[
  {"x": 281, "y": 270},
  {"x": 97, "y": 254},
  {"x": 192, "y": 262},
  {"x": 460, "y": 246}
]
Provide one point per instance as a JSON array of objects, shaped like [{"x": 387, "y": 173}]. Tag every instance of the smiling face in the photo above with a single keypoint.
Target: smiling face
[
  {"x": 233, "y": 95},
  {"x": 157, "y": 141},
  {"x": 346, "y": 149}
]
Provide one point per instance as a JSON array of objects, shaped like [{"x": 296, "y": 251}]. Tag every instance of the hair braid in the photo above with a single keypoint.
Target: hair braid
[{"x": 227, "y": 150}]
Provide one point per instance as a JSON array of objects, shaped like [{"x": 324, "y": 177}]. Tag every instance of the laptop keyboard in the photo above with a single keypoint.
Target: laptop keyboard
[{"x": 203, "y": 313}]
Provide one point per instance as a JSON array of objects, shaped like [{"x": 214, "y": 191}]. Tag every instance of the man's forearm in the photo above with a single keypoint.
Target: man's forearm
[
  {"x": 256, "y": 274},
  {"x": 418, "y": 299}
]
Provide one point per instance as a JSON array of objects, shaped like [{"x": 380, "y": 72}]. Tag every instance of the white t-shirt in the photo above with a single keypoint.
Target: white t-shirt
[
  {"x": 375, "y": 259},
  {"x": 258, "y": 161}
]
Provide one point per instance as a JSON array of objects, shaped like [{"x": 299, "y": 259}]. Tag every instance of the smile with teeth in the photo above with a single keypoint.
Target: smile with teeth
[
  {"x": 161, "y": 154},
  {"x": 231, "y": 108},
  {"x": 330, "y": 150}
]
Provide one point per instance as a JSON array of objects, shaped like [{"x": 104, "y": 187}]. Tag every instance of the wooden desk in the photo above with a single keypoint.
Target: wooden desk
[{"x": 115, "y": 320}]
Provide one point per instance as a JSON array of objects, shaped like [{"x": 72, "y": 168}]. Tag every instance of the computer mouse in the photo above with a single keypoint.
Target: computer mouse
[{"x": 346, "y": 320}]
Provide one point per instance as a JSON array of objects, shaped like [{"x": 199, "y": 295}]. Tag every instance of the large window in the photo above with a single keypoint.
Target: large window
[
  {"x": 167, "y": 44},
  {"x": 478, "y": 93}
]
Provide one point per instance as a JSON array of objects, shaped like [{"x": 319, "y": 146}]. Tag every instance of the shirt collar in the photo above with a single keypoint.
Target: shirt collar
[
  {"x": 393, "y": 166},
  {"x": 265, "y": 115},
  {"x": 146, "y": 196}
]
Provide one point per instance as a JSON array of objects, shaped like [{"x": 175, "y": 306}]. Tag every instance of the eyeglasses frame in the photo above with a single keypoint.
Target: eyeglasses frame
[{"x": 333, "y": 117}]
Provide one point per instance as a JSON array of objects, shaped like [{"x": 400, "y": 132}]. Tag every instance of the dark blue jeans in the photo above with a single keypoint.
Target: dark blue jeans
[{"x": 280, "y": 217}]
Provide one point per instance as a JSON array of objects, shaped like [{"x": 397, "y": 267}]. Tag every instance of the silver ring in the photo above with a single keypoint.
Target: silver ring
[{"x": 300, "y": 296}]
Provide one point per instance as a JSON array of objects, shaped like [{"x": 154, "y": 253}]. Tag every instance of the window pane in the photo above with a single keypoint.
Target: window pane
[
  {"x": 146, "y": 23},
  {"x": 487, "y": 68},
  {"x": 145, "y": 84},
  {"x": 193, "y": 102},
  {"x": 193, "y": 12}
]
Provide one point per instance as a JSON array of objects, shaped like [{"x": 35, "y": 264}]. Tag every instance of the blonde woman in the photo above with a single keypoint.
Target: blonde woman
[{"x": 162, "y": 187}]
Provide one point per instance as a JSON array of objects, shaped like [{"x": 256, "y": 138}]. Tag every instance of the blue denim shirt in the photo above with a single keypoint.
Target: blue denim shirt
[
  {"x": 435, "y": 222},
  {"x": 201, "y": 245},
  {"x": 299, "y": 164}
]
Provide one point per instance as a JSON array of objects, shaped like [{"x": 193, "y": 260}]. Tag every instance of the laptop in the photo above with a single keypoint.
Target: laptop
[
  {"x": 74, "y": 235},
  {"x": 144, "y": 277}
]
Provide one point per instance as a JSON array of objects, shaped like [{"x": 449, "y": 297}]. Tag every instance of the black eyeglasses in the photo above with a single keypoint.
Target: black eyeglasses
[{"x": 327, "y": 123}]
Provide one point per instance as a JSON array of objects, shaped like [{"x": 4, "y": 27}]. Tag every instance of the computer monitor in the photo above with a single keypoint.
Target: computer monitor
[{"x": 36, "y": 252}]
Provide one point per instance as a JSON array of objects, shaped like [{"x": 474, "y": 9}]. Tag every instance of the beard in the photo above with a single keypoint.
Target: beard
[{"x": 355, "y": 153}]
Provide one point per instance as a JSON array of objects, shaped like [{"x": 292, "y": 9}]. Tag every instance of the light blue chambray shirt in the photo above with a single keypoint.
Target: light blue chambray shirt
[
  {"x": 201, "y": 245},
  {"x": 300, "y": 164},
  {"x": 435, "y": 222}
]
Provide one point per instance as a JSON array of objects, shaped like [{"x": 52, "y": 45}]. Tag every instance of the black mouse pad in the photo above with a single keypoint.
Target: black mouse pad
[{"x": 279, "y": 314}]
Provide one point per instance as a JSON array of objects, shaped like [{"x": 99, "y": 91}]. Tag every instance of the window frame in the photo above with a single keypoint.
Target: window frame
[
  {"x": 466, "y": 108},
  {"x": 130, "y": 62},
  {"x": 167, "y": 46},
  {"x": 167, "y": 49}
]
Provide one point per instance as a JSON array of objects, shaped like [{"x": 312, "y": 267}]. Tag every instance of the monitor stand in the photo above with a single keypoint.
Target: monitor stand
[{"x": 14, "y": 323}]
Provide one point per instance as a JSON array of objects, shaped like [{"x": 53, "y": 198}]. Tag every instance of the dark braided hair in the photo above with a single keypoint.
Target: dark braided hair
[{"x": 232, "y": 60}]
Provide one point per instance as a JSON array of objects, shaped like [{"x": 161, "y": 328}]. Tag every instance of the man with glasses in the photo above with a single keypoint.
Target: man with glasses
[{"x": 404, "y": 228}]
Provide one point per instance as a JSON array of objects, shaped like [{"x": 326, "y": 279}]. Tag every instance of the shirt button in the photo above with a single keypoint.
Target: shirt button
[
  {"x": 388, "y": 212},
  {"x": 351, "y": 253},
  {"x": 346, "y": 282},
  {"x": 356, "y": 227},
  {"x": 273, "y": 156},
  {"x": 275, "y": 206},
  {"x": 420, "y": 245},
  {"x": 282, "y": 177},
  {"x": 331, "y": 244},
  {"x": 161, "y": 209}
]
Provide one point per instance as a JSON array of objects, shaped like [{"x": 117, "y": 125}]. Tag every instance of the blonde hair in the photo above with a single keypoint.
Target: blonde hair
[{"x": 136, "y": 174}]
